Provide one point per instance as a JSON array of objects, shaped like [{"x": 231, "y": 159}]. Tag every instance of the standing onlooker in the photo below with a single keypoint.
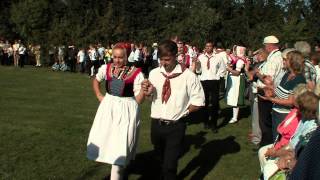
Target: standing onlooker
[
  {"x": 61, "y": 54},
  {"x": 2, "y": 59},
  {"x": 93, "y": 56},
  {"x": 81, "y": 60},
  {"x": 131, "y": 55},
  {"x": 22, "y": 55},
  {"x": 212, "y": 69},
  {"x": 9, "y": 52},
  {"x": 15, "y": 48},
  {"x": 177, "y": 92},
  {"x": 72, "y": 58},
  {"x": 52, "y": 52},
  {"x": 284, "y": 99},
  {"x": 101, "y": 50},
  {"x": 155, "y": 59},
  {"x": 146, "y": 61},
  {"x": 271, "y": 68},
  {"x": 309, "y": 69},
  {"x": 37, "y": 54},
  {"x": 315, "y": 59},
  {"x": 259, "y": 57}
]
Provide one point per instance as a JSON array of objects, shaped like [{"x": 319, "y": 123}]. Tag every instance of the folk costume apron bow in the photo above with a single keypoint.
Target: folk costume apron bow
[{"x": 166, "y": 88}]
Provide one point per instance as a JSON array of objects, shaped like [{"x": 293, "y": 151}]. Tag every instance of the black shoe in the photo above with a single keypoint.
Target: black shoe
[
  {"x": 214, "y": 130},
  {"x": 206, "y": 126}
]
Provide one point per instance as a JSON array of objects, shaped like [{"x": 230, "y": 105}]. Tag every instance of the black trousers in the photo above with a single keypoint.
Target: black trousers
[
  {"x": 22, "y": 60},
  {"x": 265, "y": 121},
  {"x": 168, "y": 141},
  {"x": 211, "y": 93},
  {"x": 72, "y": 63}
]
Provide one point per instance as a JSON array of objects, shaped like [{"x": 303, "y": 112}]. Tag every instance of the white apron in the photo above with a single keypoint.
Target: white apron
[
  {"x": 233, "y": 91},
  {"x": 113, "y": 135}
]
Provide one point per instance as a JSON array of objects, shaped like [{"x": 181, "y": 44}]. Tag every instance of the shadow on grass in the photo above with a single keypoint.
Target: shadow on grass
[
  {"x": 227, "y": 112},
  {"x": 90, "y": 172},
  {"x": 208, "y": 157},
  {"x": 148, "y": 164}
]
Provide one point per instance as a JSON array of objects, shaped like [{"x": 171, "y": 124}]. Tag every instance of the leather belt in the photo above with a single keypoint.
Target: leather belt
[{"x": 165, "y": 122}]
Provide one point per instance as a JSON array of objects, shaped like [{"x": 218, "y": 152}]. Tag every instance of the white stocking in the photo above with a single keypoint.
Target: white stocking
[
  {"x": 235, "y": 113},
  {"x": 116, "y": 172}
]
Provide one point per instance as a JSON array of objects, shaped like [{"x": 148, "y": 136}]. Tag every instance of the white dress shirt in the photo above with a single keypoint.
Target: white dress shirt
[
  {"x": 272, "y": 66},
  {"x": 217, "y": 67},
  {"x": 186, "y": 90}
]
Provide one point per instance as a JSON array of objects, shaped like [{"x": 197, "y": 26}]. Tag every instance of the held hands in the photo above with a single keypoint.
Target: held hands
[
  {"x": 146, "y": 87},
  {"x": 271, "y": 152}
]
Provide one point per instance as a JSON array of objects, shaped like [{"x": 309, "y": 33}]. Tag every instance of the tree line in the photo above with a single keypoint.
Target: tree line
[{"x": 81, "y": 22}]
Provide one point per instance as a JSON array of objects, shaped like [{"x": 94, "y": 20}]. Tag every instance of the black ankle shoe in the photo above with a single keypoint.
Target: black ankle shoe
[{"x": 214, "y": 130}]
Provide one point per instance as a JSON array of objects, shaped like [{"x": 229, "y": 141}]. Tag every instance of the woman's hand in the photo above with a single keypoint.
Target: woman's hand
[
  {"x": 147, "y": 87},
  {"x": 271, "y": 152},
  {"x": 269, "y": 91},
  {"x": 100, "y": 97}
]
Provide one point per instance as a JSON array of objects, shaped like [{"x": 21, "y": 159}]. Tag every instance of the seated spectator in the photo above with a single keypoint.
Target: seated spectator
[{"x": 284, "y": 158}]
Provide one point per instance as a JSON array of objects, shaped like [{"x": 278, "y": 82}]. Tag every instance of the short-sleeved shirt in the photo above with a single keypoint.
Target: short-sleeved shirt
[
  {"x": 310, "y": 71},
  {"x": 285, "y": 89},
  {"x": 217, "y": 67},
  {"x": 186, "y": 89},
  {"x": 272, "y": 66},
  {"x": 81, "y": 56}
]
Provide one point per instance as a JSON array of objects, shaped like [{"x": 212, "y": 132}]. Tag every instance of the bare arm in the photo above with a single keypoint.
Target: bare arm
[
  {"x": 193, "y": 108},
  {"x": 233, "y": 72},
  {"x": 284, "y": 102},
  {"x": 140, "y": 97},
  {"x": 96, "y": 89}
]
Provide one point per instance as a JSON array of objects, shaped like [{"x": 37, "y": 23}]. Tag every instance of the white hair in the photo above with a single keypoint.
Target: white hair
[{"x": 304, "y": 47}]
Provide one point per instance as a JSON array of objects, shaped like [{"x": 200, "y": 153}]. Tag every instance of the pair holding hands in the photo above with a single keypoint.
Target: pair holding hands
[{"x": 147, "y": 88}]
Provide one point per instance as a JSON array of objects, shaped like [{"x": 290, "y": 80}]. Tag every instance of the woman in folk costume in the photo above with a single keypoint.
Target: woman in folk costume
[
  {"x": 236, "y": 81},
  {"x": 114, "y": 133}
]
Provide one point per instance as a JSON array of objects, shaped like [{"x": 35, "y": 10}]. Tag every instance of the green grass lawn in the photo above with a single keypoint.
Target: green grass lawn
[{"x": 46, "y": 118}]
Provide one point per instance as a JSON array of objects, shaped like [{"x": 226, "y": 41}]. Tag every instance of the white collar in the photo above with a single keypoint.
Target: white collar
[{"x": 177, "y": 69}]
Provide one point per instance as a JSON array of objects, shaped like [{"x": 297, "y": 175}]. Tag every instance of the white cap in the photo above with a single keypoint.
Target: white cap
[
  {"x": 270, "y": 40},
  {"x": 154, "y": 44}
]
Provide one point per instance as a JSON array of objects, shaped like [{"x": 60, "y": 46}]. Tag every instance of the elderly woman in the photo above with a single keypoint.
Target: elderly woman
[
  {"x": 285, "y": 130},
  {"x": 284, "y": 158},
  {"x": 114, "y": 133},
  {"x": 284, "y": 100}
]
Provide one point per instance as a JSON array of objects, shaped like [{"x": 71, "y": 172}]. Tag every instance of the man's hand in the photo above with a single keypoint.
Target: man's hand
[{"x": 147, "y": 87}]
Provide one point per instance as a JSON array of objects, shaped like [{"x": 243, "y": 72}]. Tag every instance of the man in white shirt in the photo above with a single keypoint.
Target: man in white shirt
[
  {"x": 177, "y": 92},
  {"x": 81, "y": 60},
  {"x": 22, "y": 50},
  {"x": 131, "y": 55},
  {"x": 155, "y": 59},
  {"x": 212, "y": 69},
  {"x": 93, "y": 56},
  {"x": 272, "y": 67}
]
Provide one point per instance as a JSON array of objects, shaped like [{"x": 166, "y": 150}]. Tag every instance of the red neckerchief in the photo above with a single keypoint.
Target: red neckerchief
[
  {"x": 166, "y": 88},
  {"x": 208, "y": 62}
]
